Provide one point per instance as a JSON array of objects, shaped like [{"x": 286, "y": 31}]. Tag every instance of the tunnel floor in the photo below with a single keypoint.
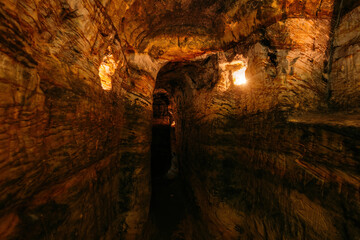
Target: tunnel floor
[
  {"x": 167, "y": 205},
  {"x": 167, "y": 209},
  {"x": 173, "y": 213}
]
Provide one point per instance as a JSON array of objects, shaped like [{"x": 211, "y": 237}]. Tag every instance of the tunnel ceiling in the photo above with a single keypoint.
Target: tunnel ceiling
[
  {"x": 179, "y": 29},
  {"x": 200, "y": 73}
]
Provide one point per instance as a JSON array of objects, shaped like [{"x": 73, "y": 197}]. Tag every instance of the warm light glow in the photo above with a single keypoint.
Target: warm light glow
[
  {"x": 106, "y": 70},
  {"x": 239, "y": 76}
]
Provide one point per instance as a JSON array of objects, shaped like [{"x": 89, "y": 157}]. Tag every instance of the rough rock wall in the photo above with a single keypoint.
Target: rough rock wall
[
  {"x": 255, "y": 172},
  {"x": 263, "y": 178},
  {"x": 74, "y": 158},
  {"x": 345, "y": 75}
]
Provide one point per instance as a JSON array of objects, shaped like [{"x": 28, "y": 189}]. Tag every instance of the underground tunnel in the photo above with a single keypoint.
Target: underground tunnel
[{"x": 180, "y": 119}]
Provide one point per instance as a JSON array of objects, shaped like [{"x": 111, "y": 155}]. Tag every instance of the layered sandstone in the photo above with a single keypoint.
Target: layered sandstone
[
  {"x": 257, "y": 173},
  {"x": 74, "y": 156},
  {"x": 345, "y": 75},
  {"x": 76, "y": 92}
]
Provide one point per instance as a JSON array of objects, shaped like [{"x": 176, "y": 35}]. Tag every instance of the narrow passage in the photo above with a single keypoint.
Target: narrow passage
[{"x": 167, "y": 207}]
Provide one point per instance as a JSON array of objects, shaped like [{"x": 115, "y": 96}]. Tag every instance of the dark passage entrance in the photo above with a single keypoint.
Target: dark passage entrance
[
  {"x": 173, "y": 214},
  {"x": 167, "y": 205},
  {"x": 160, "y": 150}
]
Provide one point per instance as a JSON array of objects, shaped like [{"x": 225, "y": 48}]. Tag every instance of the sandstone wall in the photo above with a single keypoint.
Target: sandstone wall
[
  {"x": 345, "y": 75},
  {"x": 74, "y": 158},
  {"x": 255, "y": 172},
  {"x": 260, "y": 177}
]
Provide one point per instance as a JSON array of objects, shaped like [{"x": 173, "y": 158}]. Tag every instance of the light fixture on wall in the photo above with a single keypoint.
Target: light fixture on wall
[
  {"x": 239, "y": 76},
  {"x": 106, "y": 70}
]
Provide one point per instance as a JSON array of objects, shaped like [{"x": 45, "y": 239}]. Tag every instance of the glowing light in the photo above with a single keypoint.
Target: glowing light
[
  {"x": 239, "y": 76},
  {"x": 106, "y": 70}
]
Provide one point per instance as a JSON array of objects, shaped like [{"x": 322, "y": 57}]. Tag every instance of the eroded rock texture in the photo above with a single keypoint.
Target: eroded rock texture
[
  {"x": 263, "y": 161},
  {"x": 256, "y": 171},
  {"x": 346, "y": 65},
  {"x": 258, "y": 174},
  {"x": 74, "y": 157}
]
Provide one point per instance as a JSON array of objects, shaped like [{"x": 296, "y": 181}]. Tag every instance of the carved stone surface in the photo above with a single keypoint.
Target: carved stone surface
[
  {"x": 75, "y": 155},
  {"x": 257, "y": 173},
  {"x": 345, "y": 75}
]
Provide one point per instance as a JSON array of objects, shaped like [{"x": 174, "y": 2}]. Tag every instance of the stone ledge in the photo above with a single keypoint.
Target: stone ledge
[{"x": 329, "y": 119}]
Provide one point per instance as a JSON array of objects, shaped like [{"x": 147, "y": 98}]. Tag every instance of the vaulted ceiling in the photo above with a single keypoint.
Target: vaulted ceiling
[{"x": 178, "y": 29}]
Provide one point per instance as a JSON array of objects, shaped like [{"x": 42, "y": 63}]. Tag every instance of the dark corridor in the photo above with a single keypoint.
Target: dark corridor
[
  {"x": 160, "y": 150},
  {"x": 167, "y": 206},
  {"x": 173, "y": 213}
]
